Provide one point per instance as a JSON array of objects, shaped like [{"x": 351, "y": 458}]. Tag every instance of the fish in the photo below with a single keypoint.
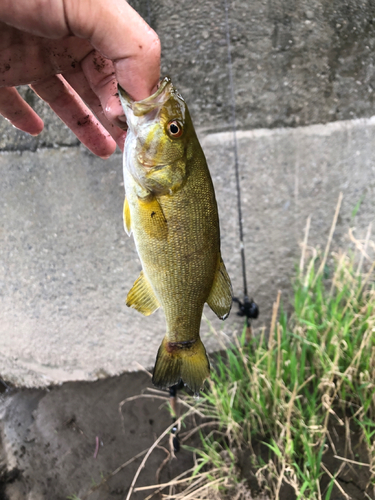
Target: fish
[{"x": 170, "y": 209}]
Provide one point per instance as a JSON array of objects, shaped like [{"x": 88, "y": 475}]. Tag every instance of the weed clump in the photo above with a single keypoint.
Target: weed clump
[{"x": 295, "y": 409}]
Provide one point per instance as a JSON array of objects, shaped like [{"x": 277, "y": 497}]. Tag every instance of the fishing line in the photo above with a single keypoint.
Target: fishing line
[{"x": 248, "y": 307}]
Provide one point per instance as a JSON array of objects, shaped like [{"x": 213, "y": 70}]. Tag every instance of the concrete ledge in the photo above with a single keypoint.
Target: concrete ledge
[{"x": 294, "y": 63}]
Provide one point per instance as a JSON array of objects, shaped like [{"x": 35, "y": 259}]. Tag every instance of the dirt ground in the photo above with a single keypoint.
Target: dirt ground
[
  {"x": 49, "y": 439},
  {"x": 64, "y": 440}
]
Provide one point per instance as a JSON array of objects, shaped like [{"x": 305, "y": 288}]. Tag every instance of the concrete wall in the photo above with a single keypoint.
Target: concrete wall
[{"x": 303, "y": 75}]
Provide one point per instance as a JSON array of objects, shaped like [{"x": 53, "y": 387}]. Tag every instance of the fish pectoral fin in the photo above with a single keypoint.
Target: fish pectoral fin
[
  {"x": 127, "y": 220},
  {"x": 153, "y": 220},
  {"x": 142, "y": 297},
  {"x": 220, "y": 298}
]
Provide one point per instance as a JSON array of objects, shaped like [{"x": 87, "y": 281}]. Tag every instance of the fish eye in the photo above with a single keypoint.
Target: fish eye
[{"x": 174, "y": 128}]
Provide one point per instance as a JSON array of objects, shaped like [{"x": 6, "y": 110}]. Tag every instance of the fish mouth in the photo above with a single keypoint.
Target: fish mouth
[{"x": 156, "y": 100}]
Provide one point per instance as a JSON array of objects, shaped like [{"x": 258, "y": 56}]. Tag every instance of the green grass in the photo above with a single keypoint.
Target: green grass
[{"x": 288, "y": 390}]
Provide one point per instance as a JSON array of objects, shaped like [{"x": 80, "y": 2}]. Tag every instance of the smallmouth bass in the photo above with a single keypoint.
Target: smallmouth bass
[{"x": 170, "y": 208}]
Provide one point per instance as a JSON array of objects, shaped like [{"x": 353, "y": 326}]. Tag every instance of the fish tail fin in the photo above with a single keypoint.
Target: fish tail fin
[{"x": 186, "y": 361}]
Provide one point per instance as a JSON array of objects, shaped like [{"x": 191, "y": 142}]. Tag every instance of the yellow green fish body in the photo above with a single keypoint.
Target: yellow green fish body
[{"x": 170, "y": 208}]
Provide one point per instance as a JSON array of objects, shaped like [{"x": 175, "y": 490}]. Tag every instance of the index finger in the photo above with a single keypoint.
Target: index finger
[{"x": 118, "y": 32}]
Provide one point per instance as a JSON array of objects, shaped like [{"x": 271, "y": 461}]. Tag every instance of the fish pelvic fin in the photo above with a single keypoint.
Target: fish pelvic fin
[
  {"x": 142, "y": 297},
  {"x": 186, "y": 361},
  {"x": 220, "y": 298}
]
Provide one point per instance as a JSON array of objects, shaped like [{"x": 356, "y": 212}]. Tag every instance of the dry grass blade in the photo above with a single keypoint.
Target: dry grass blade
[
  {"x": 304, "y": 245},
  {"x": 244, "y": 360},
  {"x": 219, "y": 336},
  {"x": 142, "y": 396},
  {"x": 168, "y": 458},
  {"x": 334, "y": 222},
  {"x": 133, "y": 398},
  {"x": 361, "y": 247},
  {"x": 193, "y": 495},
  {"x": 336, "y": 482},
  {"x": 275, "y": 309},
  {"x": 175, "y": 481},
  {"x": 362, "y": 464},
  {"x": 143, "y": 369},
  {"x": 151, "y": 449},
  {"x": 280, "y": 480},
  {"x": 192, "y": 488},
  {"x": 184, "y": 436},
  {"x": 116, "y": 471}
]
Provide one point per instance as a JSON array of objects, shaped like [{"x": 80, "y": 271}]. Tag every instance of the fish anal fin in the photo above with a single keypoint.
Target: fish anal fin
[
  {"x": 142, "y": 297},
  {"x": 220, "y": 298},
  {"x": 186, "y": 361},
  {"x": 127, "y": 220}
]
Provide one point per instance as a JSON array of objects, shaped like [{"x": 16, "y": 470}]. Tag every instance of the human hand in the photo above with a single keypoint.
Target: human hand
[{"x": 73, "y": 53}]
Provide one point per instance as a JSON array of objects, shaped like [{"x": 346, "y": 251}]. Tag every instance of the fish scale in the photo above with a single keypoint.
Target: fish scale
[{"x": 170, "y": 208}]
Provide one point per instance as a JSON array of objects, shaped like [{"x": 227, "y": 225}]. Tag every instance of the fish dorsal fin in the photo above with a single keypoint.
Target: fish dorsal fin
[
  {"x": 142, "y": 297},
  {"x": 127, "y": 220},
  {"x": 220, "y": 298},
  {"x": 153, "y": 220}
]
